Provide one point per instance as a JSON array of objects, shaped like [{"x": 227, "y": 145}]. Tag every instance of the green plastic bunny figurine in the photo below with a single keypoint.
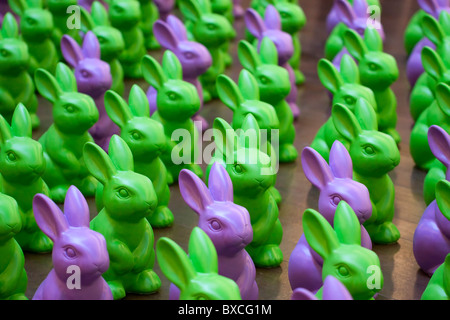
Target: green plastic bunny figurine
[
  {"x": 378, "y": 71},
  {"x": 16, "y": 84},
  {"x": 177, "y": 101},
  {"x": 74, "y": 114},
  {"x": 197, "y": 275},
  {"x": 439, "y": 286},
  {"x": 274, "y": 86},
  {"x": 146, "y": 139},
  {"x": 374, "y": 154},
  {"x": 252, "y": 172},
  {"x": 22, "y": 166},
  {"x": 13, "y": 277},
  {"x": 129, "y": 198},
  {"x": 150, "y": 15}
]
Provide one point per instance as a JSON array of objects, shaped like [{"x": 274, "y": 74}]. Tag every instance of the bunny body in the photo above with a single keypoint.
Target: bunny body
[
  {"x": 378, "y": 71},
  {"x": 345, "y": 89},
  {"x": 16, "y": 84},
  {"x": 22, "y": 167},
  {"x": 374, "y": 154},
  {"x": 177, "y": 102},
  {"x": 335, "y": 183},
  {"x": 227, "y": 225},
  {"x": 253, "y": 175},
  {"x": 94, "y": 78},
  {"x": 75, "y": 244},
  {"x": 274, "y": 86},
  {"x": 431, "y": 242},
  {"x": 129, "y": 198},
  {"x": 437, "y": 114},
  {"x": 149, "y": 15},
  {"x": 74, "y": 114},
  {"x": 194, "y": 57},
  {"x": 438, "y": 287},
  {"x": 146, "y": 139},
  {"x": 13, "y": 277}
]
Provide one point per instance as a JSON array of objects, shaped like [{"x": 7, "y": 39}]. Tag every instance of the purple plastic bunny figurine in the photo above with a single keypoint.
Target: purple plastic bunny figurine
[
  {"x": 87, "y": 4},
  {"x": 165, "y": 7},
  {"x": 226, "y": 223},
  {"x": 77, "y": 249},
  {"x": 271, "y": 27},
  {"x": 194, "y": 57},
  {"x": 238, "y": 11},
  {"x": 360, "y": 9},
  {"x": 335, "y": 182},
  {"x": 333, "y": 289},
  {"x": 93, "y": 78}
]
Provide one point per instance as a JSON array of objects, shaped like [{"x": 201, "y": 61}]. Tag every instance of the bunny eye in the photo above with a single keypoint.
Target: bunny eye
[
  {"x": 263, "y": 80},
  {"x": 211, "y": 27},
  {"x": 343, "y": 271},
  {"x": 70, "y": 108},
  {"x": 201, "y": 297},
  {"x": 4, "y": 53},
  {"x": 123, "y": 193},
  {"x": 172, "y": 96},
  {"x": 238, "y": 169},
  {"x": 335, "y": 200},
  {"x": 30, "y": 21},
  {"x": 84, "y": 73},
  {"x": 188, "y": 55},
  {"x": 11, "y": 156},
  {"x": 284, "y": 14},
  {"x": 101, "y": 39},
  {"x": 369, "y": 150},
  {"x": 215, "y": 225},
  {"x": 350, "y": 100},
  {"x": 70, "y": 252},
  {"x": 136, "y": 135},
  {"x": 373, "y": 66}
]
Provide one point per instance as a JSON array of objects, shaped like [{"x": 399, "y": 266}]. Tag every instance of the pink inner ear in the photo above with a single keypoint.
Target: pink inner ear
[
  {"x": 71, "y": 51},
  {"x": 272, "y": 18},
  {"x": 220, "y": 184},
  {"x": 165, "y": 35},
  {"x": 177, "y": 27},
  {"x": 340, "y": 161},
  {"x": 91, "y": 46},
  {"x": 254, "y": 23}
]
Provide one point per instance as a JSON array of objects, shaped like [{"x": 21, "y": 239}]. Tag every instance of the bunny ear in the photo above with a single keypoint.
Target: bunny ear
[
  {"x": 65, "y": 78},
  {"x": 21, "y": 122},
  {"x": 439, "y": 141},
  {"x": 116, "y": 108},
  {"x": 225, "y": 138},
  {"x": 248, "y": 56},
  {"x": 71, "y": 51},
  {"x": 444, "y": 21},
  {"x": 354, "y": 44},
  {"x": 366, "y": 115},
  {"x": 91, "y": 46},
  {"x": 49, "y": 217},
  {"x": 319, "y": 234},
  {"x": 35, "y": 4},
  {"x": 98, "y": 163},
  {"x": 446, "y": 280},
  {"x": 250, "y": 136},
  {"x": 329, "y": 76},
  {"x": 18, "y": 6},
  {"x": 302, "y": 294},
  {"x": 254, "y": 23},
  {"x": 76, "y": 208},
  {"x": 46, "y": 85},
  {"x": 345, "y": 122},
  {"x": 220, "y": 184},
  {"x": 172, "y": 66},
  {"x": 120, "y": 154},
  {"x": 202, "y": 252},
  {"x": 248, "y": 86},
  {"x": 268, "y": 51},
  {"x": 86, "y": 20},
  {"x": 345, "y": 12},
  {"x": 99, "y": 14},
  {"x": 340, "y": 161},
  {"x": 373, "y": 40},
  {"x": 443, "y": 97},
  {"x": 164, "y": 35},
  {"x": 10, "y": 30},
  {"x": 174, "y": 263},
  {"x": 432, "y": 63},
  {"x": 429, "y": 6},
  {"x": 229, "y": 92},
  {"x": 5, "y": 131},
  {"x": 190, "y": 9},
  {"x": 349, "y": 69},
  {"x": 443, "y": 197},
  {"x": 153, "y": 73},
  {"x": 432, "y": 30},
  {"x": 316, "y": 169},
  {"x": 138, "y": 101},
  {"x": 360, "y": 8},
  {"x": 333, "y": 289},
  {"x": 194, "y": 191},
  {"x": 346, "y": 224},
  {"x": 177, "y": 27},
  {"x": 272, "y": 18}
]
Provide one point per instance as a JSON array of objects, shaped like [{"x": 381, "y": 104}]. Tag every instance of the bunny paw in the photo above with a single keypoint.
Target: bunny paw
[
  {"x": 268, "y": 256},
  {"x": 288, "y": 153},
  {"x": 206, "y": 96},
  {"x": 385, "y": 233},
  {"x": 117, "y": 290},
  {"x": 146, "y": 282},
  {"x": 39, "y": 243},
  {"x": 89, "y": 186},
  {"x": 197, "y": 170},
  {"x": 18, "y": 296},
  {"x": 58, "y": 193},
  {"x": 394, "y": 134},
  {"x": 275, "y": 194},
  {"x": 299, "y": 77},
  {"x": 35, "y": 122},
  {"x": 161, "y": 218}
]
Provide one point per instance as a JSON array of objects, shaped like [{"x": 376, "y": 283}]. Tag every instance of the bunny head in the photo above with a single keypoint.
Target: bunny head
[
  {"x": 434, "y": 66},
  {"x": 144, "y": 136},
  {"x": 356, "y": 17},
  {"x": 125, "y": 14},
  {"x": 335, "y": 182},
  {"x": 194, "y": 57},
  {"x": 250, "y": 168},
  {"x": 127, "y": 196},
  {"x": 210, "y": 29},
  {"x": 341, "y": 250},
  {"x": 270, "y": 27},
  {"x": 333, "y": 289},
  {"x": 344, "y": 84},
  {"x": 439, "y": 141},
  {"x": 373, "y": 153},
  {"x": 293, "y": 18},
  {"x": 74, "y": 243},
  {"x": 14, "y": 56},
  {"x": 434, "y": 7},
  {"x": 177, "y": 100},
  {"x": 195, "y": 275},
  {"x": 273, "y": 80},
  {"x": 21, "y": 158},
  {"x": 10, "y": 220},
  {"x": 92, "y": 74},
  {"x": 36, "y": 23},
  {"x": 243, "y": 99},
  {"x": 227, "y": 224},
  {"x": 73, "y": 112},
  {"x": 378, "y": 70}
]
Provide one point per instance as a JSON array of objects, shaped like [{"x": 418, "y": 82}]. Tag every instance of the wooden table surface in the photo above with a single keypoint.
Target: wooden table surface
[{"x": 402, "y": 278}]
